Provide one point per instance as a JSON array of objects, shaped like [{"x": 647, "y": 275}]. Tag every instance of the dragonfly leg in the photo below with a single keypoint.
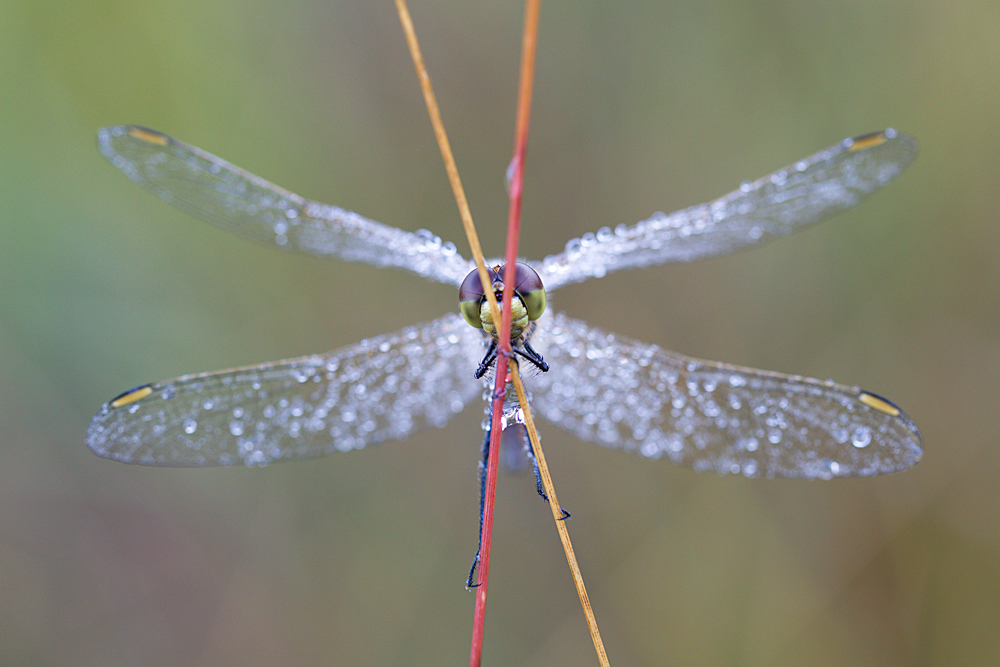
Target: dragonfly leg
[
  {"x": 531, "y": 355},
  {"x": 538, "y": 482},
  {"x": 524, "y": 350},
  {"x": 488, "y": 359},
  {"x": 482, "y": 505}
]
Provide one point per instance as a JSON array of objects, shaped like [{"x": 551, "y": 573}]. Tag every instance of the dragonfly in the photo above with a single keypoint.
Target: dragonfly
[{"x": 601, "y": 387}]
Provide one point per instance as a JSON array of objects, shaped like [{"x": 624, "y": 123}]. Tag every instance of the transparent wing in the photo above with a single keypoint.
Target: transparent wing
[
  {"x": 210, "y": 188},
  {"x": 705, "y": 415},
  {"x": 802, "y": 194},
  {"x": 383, "y": 388}
]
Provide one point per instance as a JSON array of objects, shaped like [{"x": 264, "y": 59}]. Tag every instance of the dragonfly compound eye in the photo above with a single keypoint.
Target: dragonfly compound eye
[
  {"x": 471, "y": 295},
  {"x": 528, "y": 286}
]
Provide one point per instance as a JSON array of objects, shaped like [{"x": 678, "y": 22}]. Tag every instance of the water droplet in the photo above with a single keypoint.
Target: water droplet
[
  {"x": 861, "y": 437},
  {"x": 236, "y": 427},
  {"x": 508, "y": 176},
  {"x": 190, "y": 426}
]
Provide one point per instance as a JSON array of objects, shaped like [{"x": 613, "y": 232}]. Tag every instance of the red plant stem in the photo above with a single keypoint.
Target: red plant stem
[{"x": 528, "y": 44}]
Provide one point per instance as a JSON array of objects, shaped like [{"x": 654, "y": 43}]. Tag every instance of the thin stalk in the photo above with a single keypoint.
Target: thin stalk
[
  {"x": 516, "y": 174},
  {"x": 550, "y": 491},
  {"x": 449, "y": 159},
  {"x": 479, "y": 620},
  {"x": 501, "y": 314}
]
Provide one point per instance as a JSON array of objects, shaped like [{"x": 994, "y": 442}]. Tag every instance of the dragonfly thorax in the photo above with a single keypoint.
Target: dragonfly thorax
[{"x": 518, "y": 317}]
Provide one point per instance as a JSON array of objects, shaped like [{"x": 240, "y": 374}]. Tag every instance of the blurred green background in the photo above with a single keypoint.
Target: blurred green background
[{"x": 360, "y": 559}]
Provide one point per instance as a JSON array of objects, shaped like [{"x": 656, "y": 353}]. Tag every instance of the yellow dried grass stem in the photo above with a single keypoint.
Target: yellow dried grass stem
[
  {"x": 449, "y": 159},
  {"x": 550, "y": 491}
]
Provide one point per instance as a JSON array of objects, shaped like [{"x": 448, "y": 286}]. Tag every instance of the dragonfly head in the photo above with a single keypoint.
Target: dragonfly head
[{"x": 527, "y": 305}]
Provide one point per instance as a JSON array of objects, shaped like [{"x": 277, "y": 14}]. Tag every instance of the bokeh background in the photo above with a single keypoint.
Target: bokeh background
[{"x": 360, "y": 559}]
